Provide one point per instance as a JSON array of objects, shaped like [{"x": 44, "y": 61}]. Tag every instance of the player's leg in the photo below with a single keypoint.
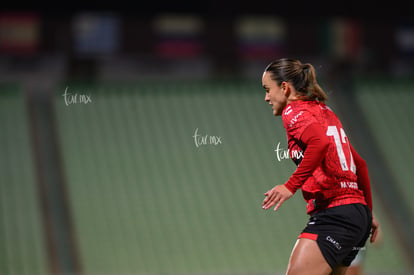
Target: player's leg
[
  {"x": 306, "y": 258},
  {"x": 356, "y": 265},
  {"x": 340, "y": 270}
]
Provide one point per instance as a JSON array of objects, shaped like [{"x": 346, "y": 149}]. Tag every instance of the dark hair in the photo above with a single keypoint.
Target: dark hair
[{"x": 301, "y": 76}]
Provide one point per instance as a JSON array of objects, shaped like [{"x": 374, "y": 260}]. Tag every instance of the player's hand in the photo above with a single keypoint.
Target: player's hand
[
  {"x": 375, "y": 230},
  {"x": 277, "y": 195}
]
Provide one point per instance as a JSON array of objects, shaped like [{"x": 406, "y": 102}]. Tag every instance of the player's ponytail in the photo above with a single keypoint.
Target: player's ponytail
[
  {"x": 314, "y": 91},
  {"x": 301, "y": 76}
]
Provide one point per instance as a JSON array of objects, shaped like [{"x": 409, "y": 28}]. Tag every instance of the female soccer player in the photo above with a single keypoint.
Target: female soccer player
[{"x": 333, "y": 177}]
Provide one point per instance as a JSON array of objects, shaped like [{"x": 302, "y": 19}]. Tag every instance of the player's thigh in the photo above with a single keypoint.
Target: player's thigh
[
  {"x": 342, "y": 270},
  {"x": 307, "y": 258}
]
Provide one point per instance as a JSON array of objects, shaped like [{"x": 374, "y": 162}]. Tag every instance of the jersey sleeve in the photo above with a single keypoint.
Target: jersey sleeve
[
  {"x": 363, "y": 176},
  {"x": 317, "y": 144}
]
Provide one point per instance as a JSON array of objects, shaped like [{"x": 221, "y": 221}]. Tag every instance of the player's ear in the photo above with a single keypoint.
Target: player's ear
[{"x": 285, "y": 88}]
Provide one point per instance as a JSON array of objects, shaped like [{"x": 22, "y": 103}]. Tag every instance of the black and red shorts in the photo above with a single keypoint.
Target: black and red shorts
[{"x": 340, "y": 232}]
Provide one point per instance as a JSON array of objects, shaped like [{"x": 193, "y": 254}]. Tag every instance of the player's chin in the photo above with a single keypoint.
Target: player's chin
[{"x": 277, "y": 112}]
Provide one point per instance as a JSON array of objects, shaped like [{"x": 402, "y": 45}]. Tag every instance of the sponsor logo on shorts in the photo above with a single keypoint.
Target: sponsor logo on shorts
[
  {"x": 335, "y": 243},
  {"x": 359, "y": 248}
]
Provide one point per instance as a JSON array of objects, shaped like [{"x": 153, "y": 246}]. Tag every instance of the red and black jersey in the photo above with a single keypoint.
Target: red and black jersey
[{"x": 329, "y": 172}]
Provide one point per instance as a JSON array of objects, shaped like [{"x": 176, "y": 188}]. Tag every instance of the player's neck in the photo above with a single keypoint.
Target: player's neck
[{"x": 293, "y": 98}]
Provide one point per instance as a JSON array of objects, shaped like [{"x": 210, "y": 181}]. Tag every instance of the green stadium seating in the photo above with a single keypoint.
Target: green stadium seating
[
  {"x": 389, "y": 107},
  {"x": 21, "y": 229},
  {"x": 146, "y": 200}
]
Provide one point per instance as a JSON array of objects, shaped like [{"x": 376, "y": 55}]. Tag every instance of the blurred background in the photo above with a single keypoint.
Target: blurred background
[{"x": 139, "y": 142}]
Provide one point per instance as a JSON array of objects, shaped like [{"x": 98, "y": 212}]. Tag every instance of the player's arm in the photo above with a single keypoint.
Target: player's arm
[
  {"x": 316, "y": 146},
  {"x": 363, "y": 177},
  {"x": 365, "y": 185}
]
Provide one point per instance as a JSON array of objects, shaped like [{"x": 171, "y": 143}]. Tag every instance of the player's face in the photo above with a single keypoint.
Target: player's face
[{"x": 274, "y": 94}]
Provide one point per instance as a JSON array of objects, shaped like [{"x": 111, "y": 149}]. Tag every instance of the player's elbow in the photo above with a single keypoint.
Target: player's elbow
[
  {"x": 359, "y": 162},
  {"x": 324, "y": 143},
  {"x": 362, "y": 162},
  {"x": 319, "y": 144}
]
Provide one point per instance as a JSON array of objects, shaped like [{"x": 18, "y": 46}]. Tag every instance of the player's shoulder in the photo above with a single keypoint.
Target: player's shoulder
[
  {"x": 298, "y": 108},
  {"x": 324, "y": 107},
  {"x": 297, "y": 111}
]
